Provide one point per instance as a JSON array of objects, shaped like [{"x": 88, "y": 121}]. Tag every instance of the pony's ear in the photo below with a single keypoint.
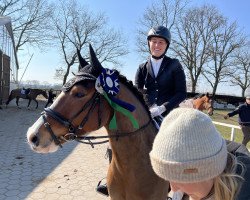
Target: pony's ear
[
  {"x": 82, "y": 61},
  {"x": 93, "y": 59}
]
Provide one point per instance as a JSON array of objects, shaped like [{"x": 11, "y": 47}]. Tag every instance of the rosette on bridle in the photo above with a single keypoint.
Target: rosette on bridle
[{"x": 106, "y": 83}]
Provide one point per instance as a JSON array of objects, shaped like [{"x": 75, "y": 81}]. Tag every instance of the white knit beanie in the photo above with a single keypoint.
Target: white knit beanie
[
  {"x": 247, "y": 92},
  {"x": 188, "y": 148}
]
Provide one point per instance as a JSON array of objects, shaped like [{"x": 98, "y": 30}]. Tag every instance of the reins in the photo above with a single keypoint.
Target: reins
[{"x": 117, "y": 135}]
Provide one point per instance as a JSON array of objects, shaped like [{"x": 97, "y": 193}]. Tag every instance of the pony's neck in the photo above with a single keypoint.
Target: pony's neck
[
  {"x": 142, "y": 139},
  {"x": 140, "y": 113},
  {"x": 198, "y": 103}
]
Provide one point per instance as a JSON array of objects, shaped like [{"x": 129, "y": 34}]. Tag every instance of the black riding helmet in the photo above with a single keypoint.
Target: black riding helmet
[{"x": 162, "y": 32}]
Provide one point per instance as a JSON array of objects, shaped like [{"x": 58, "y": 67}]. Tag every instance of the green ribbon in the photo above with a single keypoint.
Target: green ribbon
[{"x": 116, "y": 107}]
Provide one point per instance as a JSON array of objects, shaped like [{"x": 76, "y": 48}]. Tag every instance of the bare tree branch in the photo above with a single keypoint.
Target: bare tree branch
[
  {"x": 30, "y": 21},
  {"x": 161, "y": 12},
  {"x": 227, "y": 39},
  {"x": 77, "y": 27},
  {"x": 194, "y": 32},
  {"x": 241, "y": 75}
]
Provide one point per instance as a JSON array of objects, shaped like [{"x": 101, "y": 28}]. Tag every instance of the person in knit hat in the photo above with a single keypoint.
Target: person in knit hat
[{"x": 190, "y": 153}]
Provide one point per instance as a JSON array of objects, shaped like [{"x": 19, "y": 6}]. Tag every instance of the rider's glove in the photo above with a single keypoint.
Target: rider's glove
[{"x": 157, "y": 110}]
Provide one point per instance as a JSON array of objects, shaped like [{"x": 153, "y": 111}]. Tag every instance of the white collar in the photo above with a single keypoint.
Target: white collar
[{"x": 153, "y": 60}]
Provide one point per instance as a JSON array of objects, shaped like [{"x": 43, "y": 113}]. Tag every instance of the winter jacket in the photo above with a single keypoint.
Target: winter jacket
[
  {"x": 243, "y": 156},
  {"x": 244, "y": 114}
]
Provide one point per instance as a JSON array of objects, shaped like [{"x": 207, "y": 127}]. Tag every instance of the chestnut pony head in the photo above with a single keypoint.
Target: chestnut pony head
[{"x": 204, "y": 102}]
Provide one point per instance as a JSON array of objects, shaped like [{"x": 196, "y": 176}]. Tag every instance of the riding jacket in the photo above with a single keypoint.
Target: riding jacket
[{"x": 168, "y": 88}]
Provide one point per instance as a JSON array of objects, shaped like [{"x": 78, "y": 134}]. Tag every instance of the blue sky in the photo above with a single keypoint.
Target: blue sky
[{"x": 124, "y": 15}]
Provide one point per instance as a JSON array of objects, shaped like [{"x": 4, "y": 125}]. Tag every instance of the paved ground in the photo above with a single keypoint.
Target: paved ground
[{"x": 70, "y": 173}]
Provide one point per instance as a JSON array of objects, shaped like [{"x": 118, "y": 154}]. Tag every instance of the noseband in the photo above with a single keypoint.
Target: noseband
[{"x": 72, "y": 134}]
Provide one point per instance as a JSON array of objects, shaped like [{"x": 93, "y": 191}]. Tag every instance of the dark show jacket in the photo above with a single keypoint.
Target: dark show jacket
[{"x": 168, "y": 88}]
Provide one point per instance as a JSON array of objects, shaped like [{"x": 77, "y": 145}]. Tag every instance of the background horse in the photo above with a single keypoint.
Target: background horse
[
  {"x": 81, "y": 109},
  {"x": 32, "y": 95},
  {"x": 200, "y": 102}
]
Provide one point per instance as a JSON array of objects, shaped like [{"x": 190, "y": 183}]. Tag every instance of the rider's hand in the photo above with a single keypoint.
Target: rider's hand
[
  {"x": 226, "y": 116},
  {"x": 157, "y": 110}
]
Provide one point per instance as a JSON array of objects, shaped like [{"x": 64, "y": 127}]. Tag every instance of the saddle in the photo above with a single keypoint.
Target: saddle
[{"x": 25, "y": 91}]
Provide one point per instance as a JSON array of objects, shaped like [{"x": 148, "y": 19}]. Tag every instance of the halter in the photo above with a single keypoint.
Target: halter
[{"x": 72, "y": 134}]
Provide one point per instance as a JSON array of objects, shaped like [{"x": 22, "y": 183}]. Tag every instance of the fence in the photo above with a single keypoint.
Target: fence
[{"x": 233, "y": 127}]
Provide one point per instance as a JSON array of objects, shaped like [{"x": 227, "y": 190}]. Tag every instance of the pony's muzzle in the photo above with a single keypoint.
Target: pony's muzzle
[{"x": 34, "y": 140}]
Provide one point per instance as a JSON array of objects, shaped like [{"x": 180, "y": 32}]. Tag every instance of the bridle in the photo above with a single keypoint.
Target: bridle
[
  {"x": 208, "y": 105},
  {"x": 72, "y": 129},
  {"x": 68, "y": 123}
]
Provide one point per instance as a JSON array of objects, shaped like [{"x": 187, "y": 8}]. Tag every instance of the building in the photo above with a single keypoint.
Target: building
[{"x": 8, "y": 59}]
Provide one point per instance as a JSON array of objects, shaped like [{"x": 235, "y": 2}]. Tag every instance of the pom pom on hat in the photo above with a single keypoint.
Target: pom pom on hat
[{"x": 188, "y": 148}]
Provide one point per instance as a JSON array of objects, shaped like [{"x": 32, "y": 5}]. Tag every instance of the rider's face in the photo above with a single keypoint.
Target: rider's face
[
  {"x": 196, "y": 191},
  {"x": 157, "y": 46}
]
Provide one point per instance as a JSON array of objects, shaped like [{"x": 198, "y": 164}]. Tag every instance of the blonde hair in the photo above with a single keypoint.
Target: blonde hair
[{"x": 226, "y": 185}]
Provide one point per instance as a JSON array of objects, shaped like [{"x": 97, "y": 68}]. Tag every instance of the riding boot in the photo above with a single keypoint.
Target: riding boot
[
  {"x": 109, "y": 154},
  {"x": 102, "y": 189}
]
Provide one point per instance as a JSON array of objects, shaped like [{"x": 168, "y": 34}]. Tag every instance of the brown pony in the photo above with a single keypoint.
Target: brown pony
[
  {"x": 80, "y": 109},
  {"x": 200, "y": 102},
  {"x": 16, "y": 93}
]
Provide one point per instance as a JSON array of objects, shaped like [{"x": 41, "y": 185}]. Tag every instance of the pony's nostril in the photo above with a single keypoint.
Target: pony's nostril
[{"x": 35, "y": 140}]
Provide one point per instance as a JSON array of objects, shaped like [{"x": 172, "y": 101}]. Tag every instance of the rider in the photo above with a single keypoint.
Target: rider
[
  {"x": 50, "y": 98},
  {"x": 25, "y": 91},
  {"x": 161, "y": 78}
]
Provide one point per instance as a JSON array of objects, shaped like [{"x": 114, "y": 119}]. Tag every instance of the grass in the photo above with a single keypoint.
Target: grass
[{"x": 226, "y": 131}]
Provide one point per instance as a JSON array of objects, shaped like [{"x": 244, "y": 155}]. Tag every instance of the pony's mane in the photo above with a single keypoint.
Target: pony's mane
[
  {"x": 127, "y": 83},
  {"x": 199, "y": 96},
  {"x": 133, "y": 89}
]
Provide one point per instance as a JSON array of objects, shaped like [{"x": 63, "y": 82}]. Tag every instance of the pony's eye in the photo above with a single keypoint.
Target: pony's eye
[{"x": 79, "y": 95}]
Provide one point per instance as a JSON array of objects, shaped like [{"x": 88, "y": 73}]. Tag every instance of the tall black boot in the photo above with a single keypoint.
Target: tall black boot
[
  {"x": 109, "y": 154},
  {"x": 102, "y": 188}
]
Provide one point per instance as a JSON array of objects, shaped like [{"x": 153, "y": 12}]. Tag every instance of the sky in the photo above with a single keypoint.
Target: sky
[{"x": 124, "y": 15}]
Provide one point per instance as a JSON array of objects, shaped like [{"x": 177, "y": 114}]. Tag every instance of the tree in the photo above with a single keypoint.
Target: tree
[
  {"x": 76, "y": 27},
  {"x": 162, "y": 12},
  {"x": 194, "y": 30},
  {"x": 227, "y": 39},
  {"x": 30, "y": 21},
  {"x": 241, "y": 77}
]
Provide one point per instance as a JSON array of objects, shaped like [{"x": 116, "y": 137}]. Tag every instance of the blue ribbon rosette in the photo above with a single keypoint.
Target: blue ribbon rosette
[{"x": 107, "y": 83}]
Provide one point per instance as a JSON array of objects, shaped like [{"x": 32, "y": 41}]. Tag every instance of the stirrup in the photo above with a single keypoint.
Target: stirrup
[{"x": 102, "y": 189}]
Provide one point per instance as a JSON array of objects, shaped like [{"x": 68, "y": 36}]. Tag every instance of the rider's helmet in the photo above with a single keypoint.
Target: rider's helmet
[{"x": 162, "y": 32}]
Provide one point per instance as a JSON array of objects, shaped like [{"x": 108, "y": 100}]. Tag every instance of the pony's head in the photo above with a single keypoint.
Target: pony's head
[
  {"x": 79, "y": 109},
  {"x": 204, "y": 102}
]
